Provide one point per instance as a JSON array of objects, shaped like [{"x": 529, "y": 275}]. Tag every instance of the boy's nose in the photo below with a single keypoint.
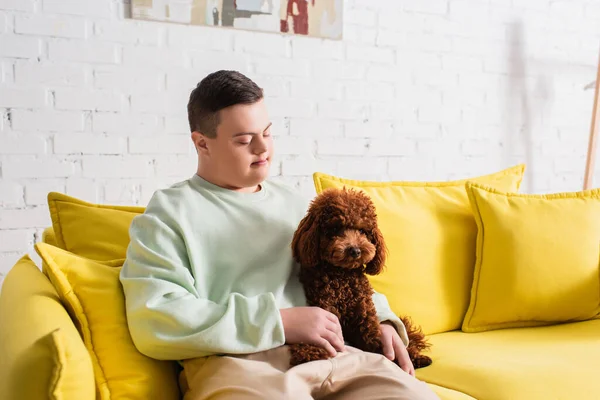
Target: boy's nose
[{"x": 261, "y": 147}]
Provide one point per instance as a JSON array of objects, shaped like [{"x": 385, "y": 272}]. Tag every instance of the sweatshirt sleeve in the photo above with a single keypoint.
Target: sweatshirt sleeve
[
  {"x": 385, "y": 313},
  {"x": 170, "y": 319}
]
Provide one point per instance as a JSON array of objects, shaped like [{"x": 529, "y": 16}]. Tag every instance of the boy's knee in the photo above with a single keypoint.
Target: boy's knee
[{"x": 422, "y": 391}]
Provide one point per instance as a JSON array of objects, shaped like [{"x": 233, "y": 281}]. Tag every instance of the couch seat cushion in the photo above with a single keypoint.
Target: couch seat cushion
[
  {"x": 449, "y": 394},
  {"x": 552, "y": 362}
]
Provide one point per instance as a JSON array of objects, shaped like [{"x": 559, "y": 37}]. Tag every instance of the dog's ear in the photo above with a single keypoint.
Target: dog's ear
[
  {"x": 305, "y": 243},
  {"x": 375, "y": 266}
]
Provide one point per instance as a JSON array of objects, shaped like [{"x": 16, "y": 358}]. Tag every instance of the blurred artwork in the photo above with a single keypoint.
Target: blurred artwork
[{"x": 317, "y": 18}]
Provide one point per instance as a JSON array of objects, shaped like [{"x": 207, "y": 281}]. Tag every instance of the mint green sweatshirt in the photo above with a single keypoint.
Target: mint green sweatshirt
[{"x": 208, "y": 270}]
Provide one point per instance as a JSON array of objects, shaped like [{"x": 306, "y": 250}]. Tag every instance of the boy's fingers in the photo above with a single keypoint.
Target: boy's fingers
[
  {"x": 406, "y": 367},
  {"x": 327, "y": 346},
  {"x": 388, "y": 348},
  {"x": 337, "y": 329},
  {"x": 403, "y": 358},
  {"x": 331, "y": 316},
  {"x": 397, "y": 344},
  {"x": 335, "y": 341}
]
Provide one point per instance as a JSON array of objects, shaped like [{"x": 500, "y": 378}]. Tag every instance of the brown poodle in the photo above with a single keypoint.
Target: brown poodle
[{"x": 336, "y": 244}]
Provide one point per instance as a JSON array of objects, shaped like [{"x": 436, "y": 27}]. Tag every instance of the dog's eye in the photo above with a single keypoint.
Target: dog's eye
[
  {"x": 337, "y": 231},
  {"x": 364, "y": 232}
]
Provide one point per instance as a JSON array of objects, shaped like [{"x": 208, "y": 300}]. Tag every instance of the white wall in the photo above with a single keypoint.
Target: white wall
[{"x": 93, "y": 103}]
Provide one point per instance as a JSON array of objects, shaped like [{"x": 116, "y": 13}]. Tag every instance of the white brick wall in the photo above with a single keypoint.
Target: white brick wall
[
  {"x": 56, "y": 26},
  {"x": 14, "y": 46},
  {"x": 93, "y": 104}
]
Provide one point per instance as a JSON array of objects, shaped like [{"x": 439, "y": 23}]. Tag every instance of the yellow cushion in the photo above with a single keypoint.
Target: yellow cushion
[
  {"x": 65, "y": 382},
  {"x": 92, "y": 293},
  {"x": 48, "y": 236},
  {"x": 537, "y": 258},
  {"x": 551, "y": 362},
  {"x": 430, "y": 233},
  {"x": 95, "y": 231},
  {"x": 41, "y": 353}
]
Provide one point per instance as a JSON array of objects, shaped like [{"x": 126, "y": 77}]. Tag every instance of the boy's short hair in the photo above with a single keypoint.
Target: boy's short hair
[{"x": 215, "y": 92}]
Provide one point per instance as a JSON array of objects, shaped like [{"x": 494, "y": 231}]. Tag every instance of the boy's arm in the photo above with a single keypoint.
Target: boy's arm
[
  {"x": 169, "y": 319},
  {"x": 385, "y": 313}
]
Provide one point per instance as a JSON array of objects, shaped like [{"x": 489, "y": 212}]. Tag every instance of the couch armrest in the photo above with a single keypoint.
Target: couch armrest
[{"x": 30, "y": 366}]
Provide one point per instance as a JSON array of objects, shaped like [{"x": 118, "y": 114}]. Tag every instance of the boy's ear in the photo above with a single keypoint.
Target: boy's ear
[{"x": 199, "y": 142}]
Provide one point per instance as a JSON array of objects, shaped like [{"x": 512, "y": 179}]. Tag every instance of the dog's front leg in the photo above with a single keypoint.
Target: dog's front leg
[{"x": 363, "y": 331}]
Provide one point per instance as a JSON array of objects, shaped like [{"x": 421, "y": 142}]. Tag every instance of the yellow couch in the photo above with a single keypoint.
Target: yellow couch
[{"x": 63, "y": 335}]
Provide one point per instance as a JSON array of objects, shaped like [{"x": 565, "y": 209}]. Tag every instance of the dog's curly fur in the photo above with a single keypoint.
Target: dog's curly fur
[{"x": 336, "y": 244}]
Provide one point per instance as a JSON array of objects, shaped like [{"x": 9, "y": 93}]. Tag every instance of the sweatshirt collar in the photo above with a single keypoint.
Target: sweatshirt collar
[{"x": 198, "y": 181}]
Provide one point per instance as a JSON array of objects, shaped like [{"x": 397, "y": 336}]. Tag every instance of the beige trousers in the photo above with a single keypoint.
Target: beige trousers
[{"x": 353, "y": 374}]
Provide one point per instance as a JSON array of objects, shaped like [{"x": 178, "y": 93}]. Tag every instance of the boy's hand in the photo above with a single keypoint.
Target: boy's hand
[
  {"x": 394, "y": 348},
  {"x": 313, "y": 325}
]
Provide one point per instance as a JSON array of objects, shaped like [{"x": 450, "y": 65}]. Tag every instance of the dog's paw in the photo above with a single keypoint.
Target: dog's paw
[
  {"x": 422, "y": 361},
  {"x": 303, "y": 353}
]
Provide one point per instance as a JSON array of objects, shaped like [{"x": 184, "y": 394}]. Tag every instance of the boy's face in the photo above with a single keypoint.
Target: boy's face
[{"x": 239, "y": 157}]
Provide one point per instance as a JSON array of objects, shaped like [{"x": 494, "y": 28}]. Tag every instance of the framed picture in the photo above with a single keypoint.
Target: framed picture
[{"x": 316, "y": 18}]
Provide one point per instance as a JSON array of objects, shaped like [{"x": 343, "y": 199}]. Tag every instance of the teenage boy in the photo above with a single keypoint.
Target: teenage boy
[{"x": 209, "y": 278}]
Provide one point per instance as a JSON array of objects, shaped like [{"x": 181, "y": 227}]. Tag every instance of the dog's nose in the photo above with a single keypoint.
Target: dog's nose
[{"x": 354, "y": 252}]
